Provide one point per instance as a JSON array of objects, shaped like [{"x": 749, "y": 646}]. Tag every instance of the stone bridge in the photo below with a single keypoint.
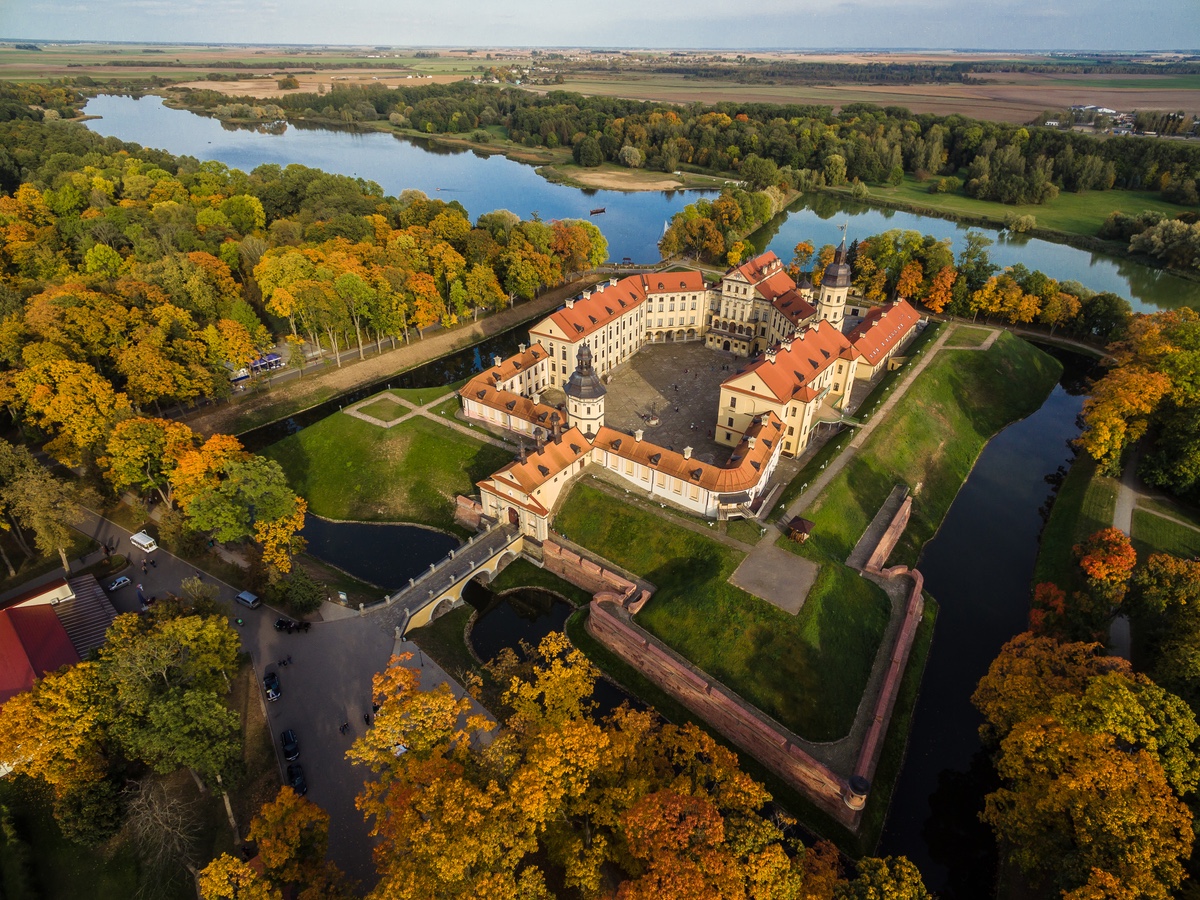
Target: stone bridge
[{"x": 439, "y": 589}]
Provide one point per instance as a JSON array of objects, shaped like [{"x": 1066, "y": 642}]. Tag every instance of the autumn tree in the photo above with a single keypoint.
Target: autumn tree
[
  {"x": 292, "y": 835},
  {"x": 460, "y": 815},
  {"x": 1029, "y": 673},
  {"x": 142, "y": 453},
  {"x": 910, "y": 281},
  {"x": 1107, "y": 559},
  {"x": 73, "y": 403},
  {"x": 227, "y": 878},
  {"x": 1076, "y": 803},
  {"x": 941, "y": 288},
  {"x": 890, "y": 878}
]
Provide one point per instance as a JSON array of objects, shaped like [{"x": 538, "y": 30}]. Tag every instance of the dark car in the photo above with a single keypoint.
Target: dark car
[
  {"x": 295, "y": 774},
  {"x": 291, "y": 746},
  {"x": 271, "y": 685}
]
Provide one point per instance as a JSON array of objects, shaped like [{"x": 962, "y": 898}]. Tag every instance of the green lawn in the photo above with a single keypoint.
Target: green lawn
[
  {"x": 1171, "y": 509},
  {"x": 808, "y": 670},
  {"x": 421, "y": 396},
  {"x": 930, "y": 442},
  {"x": 965, "y": 336},
  {"x": 447, "y": 408},
  {"x": 1154, "y": 534},
  {"x": 384, "y": 410},
  {"x": 349, "y": 469},
  {"x": 1074, "y": 213},
  {"x": 1084, "y": 504},
  {"x": 745, "y": 531}
]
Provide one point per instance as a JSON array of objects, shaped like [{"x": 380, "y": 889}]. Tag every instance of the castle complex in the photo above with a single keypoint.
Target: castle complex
[{"x": 807, "y": 350}]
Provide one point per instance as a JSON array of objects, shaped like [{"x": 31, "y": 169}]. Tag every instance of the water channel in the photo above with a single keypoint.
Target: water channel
[
  {"x": 979, "y": 567},
  {"x": 633, "y": 222}
]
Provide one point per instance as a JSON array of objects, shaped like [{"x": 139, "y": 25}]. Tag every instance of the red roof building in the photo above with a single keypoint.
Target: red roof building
[{"x": 32, "y": 643}]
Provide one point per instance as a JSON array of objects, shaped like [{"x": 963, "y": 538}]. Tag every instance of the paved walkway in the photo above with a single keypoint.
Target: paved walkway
[{"x": 426, "y": 411}]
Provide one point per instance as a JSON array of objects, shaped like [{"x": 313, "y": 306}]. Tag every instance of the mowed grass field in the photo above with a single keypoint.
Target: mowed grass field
[
  {"x": 930, "y": 442},
  {"x": 349, "y": 469},
  {"x": 808, "y": 671},
  {"x": 1081, "y": 213},
  {"x": 1084, "y": 504}
]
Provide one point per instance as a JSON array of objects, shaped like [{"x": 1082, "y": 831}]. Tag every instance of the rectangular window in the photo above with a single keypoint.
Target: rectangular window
[
  {"x": 733, "y": 402},
  {"x": 730, "y": 422},
  {"x": 728, "y": 436},
  {"x": 791, "y": 430}
]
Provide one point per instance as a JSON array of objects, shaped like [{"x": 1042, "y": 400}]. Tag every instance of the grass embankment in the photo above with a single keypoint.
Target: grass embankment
[
  {"x": 1068, "y": 213},
  {"x": 965, "y": 336},
  {"x": 349, "y": 469},
  {"x": 807, "y": 671},
  {"x": 930, "y": 442},
  {"x": 1084, "y": 504}
]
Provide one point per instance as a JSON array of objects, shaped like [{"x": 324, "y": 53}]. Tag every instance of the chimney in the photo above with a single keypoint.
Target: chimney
[
  {"x": 496, "y": 360},
  {"x": 539, "y": 438},
  {"x": 637, "y": 435},
  {"x": 770, "y": 354},
  {"x": 570, "y": 303},
  {"x": 750, "y": 441},
  {"x": 612, "y": 282},
  {"x": 687, "y": 452},
  {"x": 586, "y": 294},
  {"x": 537, "y": 396},
  {"x": 522, "y": 347}
]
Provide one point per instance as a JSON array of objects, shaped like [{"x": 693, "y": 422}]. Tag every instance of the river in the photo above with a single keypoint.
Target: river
[
  {"x": 633, "y": 221},
  {"x": 978, "y": 567}
]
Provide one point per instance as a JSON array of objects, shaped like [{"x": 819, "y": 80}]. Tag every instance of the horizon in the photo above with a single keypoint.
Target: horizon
[{"x": 876, "y": 25}]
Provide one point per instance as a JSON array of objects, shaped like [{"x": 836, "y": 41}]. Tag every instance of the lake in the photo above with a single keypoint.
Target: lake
[{"x": 633, "y": 222}]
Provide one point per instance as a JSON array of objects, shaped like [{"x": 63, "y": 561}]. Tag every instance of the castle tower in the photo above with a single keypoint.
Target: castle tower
[
  {"x": 835, "y": 285},
  {"x": 585, "y": 395}
]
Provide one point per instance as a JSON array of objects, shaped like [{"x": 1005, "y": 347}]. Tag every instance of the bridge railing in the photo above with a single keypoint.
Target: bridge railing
[{"x": 435, "y": 568}]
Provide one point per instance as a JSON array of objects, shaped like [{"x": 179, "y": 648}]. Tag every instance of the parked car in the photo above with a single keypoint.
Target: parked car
[
  {"x": 295, "y": 773},
  {"x": 291, "y": 746},
  {"x": 271, "y": 685},
  {"x": 119, "y": 582}
]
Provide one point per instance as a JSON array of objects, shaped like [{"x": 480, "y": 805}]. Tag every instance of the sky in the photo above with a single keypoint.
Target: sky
[{"x": 800, "y": 24}]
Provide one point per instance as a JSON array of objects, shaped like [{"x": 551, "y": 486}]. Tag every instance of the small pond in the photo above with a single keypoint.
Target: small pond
[
  {"x": 384, "y": 554},
  {"x": 528, "y": 614}
]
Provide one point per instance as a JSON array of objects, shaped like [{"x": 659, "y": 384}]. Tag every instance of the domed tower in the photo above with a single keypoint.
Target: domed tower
[
  {"x": 585, "y": 395},
  {"x": 835, "y": 285}
]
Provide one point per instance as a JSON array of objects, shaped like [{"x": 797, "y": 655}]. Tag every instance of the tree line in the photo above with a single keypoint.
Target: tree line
[{"x": 998, "y": 161}]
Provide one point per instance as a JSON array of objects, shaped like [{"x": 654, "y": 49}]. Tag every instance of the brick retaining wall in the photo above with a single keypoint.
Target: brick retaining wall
[
  {"x": 889, "y": 539},
  {"x": 468, "y": 512},
  {"x": 872, "y": 746},
  {"x": 741, "y": 723},
  {"x": 591, "y": 576}
]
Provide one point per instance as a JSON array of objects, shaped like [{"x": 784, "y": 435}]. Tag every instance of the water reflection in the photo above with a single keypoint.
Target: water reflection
[
  {"x": 979, "y": 567},
  {"x": 818, "y": 217}
]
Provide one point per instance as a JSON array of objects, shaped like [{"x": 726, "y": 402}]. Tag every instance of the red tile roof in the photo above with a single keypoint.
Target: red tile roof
[
  {"x": 512, "y": 366},
  {"x": 482, "y": 388},
  {"x": 604, "y": 305},
  {"x": 798, "y": 362},
  {"x": 762, "y": 266},
  {"x": 32, "y": 643},
  {"x": 543, "y": 465},
  {"x": 794, "y": 307},
  {"x": 744, "y": 470},
  {"x": 883, "y": 328},
  {"x": 611, "y": 301}
]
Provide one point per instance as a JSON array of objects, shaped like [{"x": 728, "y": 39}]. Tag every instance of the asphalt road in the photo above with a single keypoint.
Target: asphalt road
[{"x": 327, "y": 682}]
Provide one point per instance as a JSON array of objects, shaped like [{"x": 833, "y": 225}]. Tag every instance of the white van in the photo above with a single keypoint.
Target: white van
[{"x": 143, "y": 542}]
